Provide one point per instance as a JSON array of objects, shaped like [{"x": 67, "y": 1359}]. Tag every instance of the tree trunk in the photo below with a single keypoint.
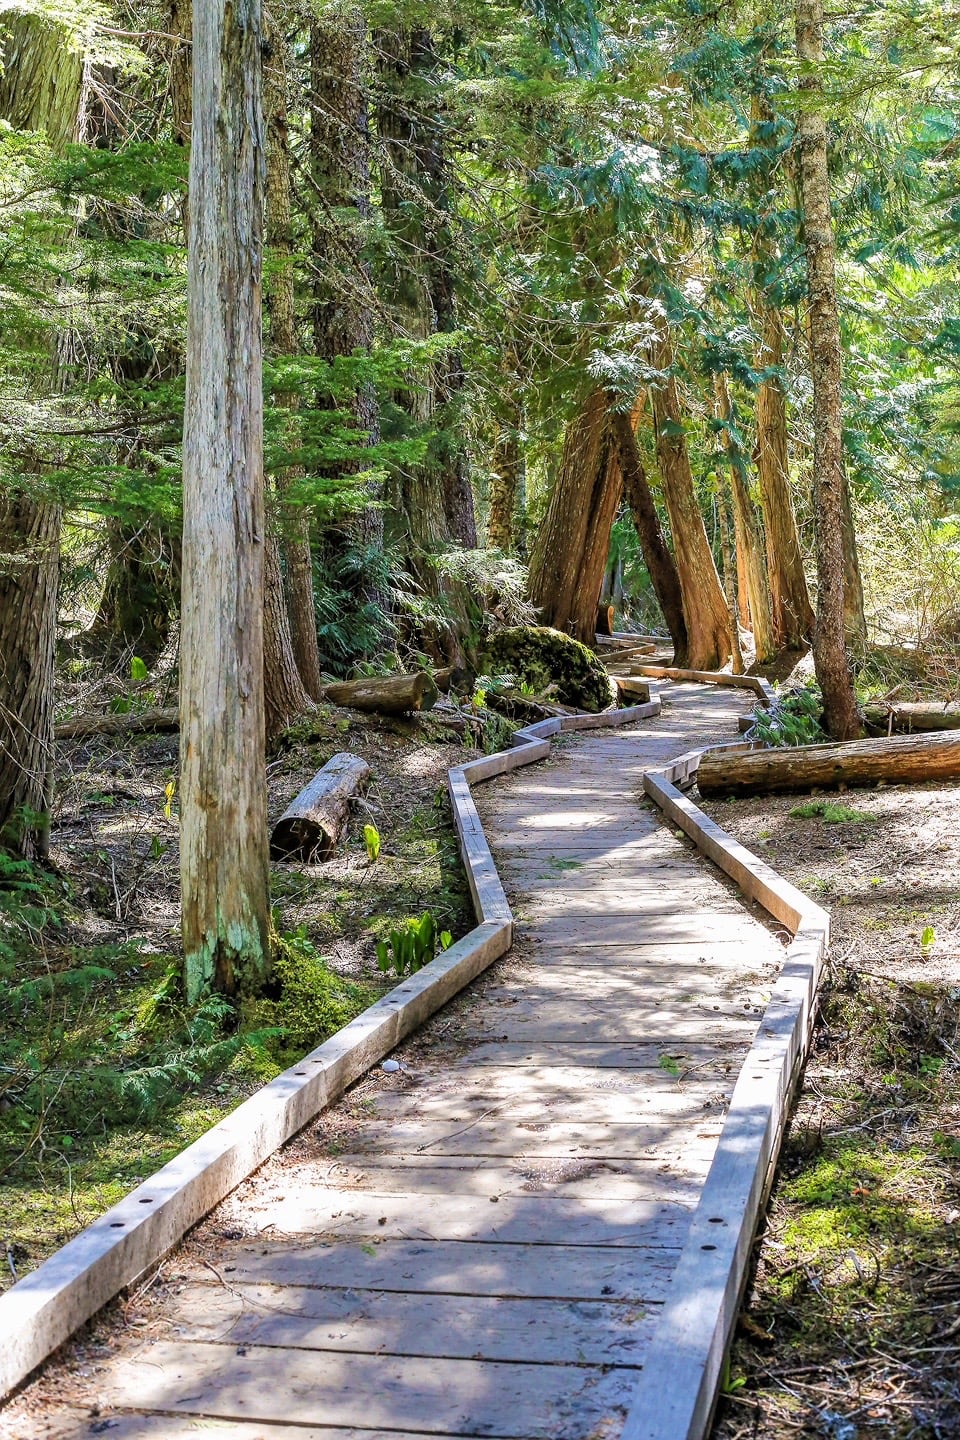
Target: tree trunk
[
  {"x": 284, "y": 694},
  {"x": 29, "y": 555},
  {"x": 301, "y": 611},
  {"x": 829, "y": 480},
  {"x": 791, "y": 612},
  {"x": 570, "y": 554},
  {"x": 656, "y": 553},
  {"x": 421, "y": 510},
  {"x": 731, "y": 574},
  {"x": 904, "y": 759},
  {"x": 705, "y": 613},
  {"x": 223, "y": 809},
  {"x": 41, "y": 84},
  {"x": 504, "y": 489},
  {"x": 749, "y": 535},
  {"x": 141, "y": 593}
]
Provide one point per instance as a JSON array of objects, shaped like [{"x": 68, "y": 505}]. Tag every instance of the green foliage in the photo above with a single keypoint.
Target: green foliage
[
  {"x": 371, "y": 839},
  {"x": 830, "y": 812},
  {"x": 794, "y": 719},
  {"x": 308, "y": 1001},
  {"x": 411, "y": 945}
]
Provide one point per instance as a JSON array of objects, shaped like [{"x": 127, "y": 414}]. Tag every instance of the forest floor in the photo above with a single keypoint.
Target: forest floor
[
  {"x": 852, "y": 1322},
  {"x": 104, "y": 1072}
]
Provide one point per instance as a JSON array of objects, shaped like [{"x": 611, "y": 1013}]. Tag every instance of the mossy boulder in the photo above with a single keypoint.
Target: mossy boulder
[{"x": 542, "y": 657}]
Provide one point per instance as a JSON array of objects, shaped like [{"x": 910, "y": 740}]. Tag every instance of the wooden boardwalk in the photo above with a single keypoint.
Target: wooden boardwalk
[{"x": 480, "y": 1243}]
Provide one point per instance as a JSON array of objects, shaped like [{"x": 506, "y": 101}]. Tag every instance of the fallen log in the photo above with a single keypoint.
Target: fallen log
[
  {"x": 604, "y": 619},
  {"x": 311, "y": 824},
  {"x": 903, "y": 759},
  {"x": 141, "y": 722},
  {"x": 905, "y": 717},
  {"x": 385, "y": 694},
  {"x": 454, "y": 677}
]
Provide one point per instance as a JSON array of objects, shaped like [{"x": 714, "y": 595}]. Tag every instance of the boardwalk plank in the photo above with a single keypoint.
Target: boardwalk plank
[
  {"x": 568, "y": 1332},
  {"x": 464, "y": 1397},
  {"x": 455, "y": 1267}
]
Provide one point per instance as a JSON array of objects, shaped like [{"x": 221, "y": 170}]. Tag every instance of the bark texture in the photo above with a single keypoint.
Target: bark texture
[
  {"x": 570, "y": 554},
  {"x": 223, "y": 813},
  {"x": 905, "y": 759},
  {"x": 791, "y": 611},
  {"x": 284, "y": 694},
  {"x": 291, "y": 637},
  {"x": 829, "y": 479},
  {"x": 310, "y": 826},
  {"x": 505, "y": 487},
  {"x": 660, "y": 564},
  {"x": 704, "y": 609},
  {"x": 751, "y": 563},
  {"x": 29, "y": 555}
]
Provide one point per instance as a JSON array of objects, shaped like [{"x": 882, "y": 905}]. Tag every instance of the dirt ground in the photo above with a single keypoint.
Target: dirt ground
[{"x": 852, "y": 1322}]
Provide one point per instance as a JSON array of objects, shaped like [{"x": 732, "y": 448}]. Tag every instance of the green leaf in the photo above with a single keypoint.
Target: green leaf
[
  {"x": 371, "y": 838},
  {"x": 138, "y": 670},
  {"x": 928, "y": 938}
]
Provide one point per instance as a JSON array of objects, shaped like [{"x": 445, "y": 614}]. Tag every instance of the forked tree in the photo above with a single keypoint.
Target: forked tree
[{"x": 223, "y": 855}]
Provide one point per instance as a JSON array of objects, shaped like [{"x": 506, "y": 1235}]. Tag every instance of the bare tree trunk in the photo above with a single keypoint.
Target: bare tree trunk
[
  {"x": 791, "y": 610},
  {"x": 708, "y": 626},
  {"x": 223, "y": 812},
  {"x": 660, "y": 564},
  {"x": 293, "y": 637},
  {"x": 141, "y": 592},
  {"x": 29, "y": 555},
  {"x": 570, "y": 554},
  {"x": 751, "y": 564},
  {"x": 829, "y": 481}
]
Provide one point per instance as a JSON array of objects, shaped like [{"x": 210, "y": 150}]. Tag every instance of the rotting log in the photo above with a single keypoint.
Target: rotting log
[
  {"x": 902, "y": 759},
  {"x": 907, "y": 716},
  {"x": 385, "y": 694},
  {"x": 142, "y": 722},
  {"x": 311, "y": 824},
  {"x": 605, "y": 619},
  {"x": 454, "y": 677}
]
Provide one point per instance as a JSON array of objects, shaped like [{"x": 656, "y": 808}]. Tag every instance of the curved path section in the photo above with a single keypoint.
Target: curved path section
[{"x": 504, "y": 1236}]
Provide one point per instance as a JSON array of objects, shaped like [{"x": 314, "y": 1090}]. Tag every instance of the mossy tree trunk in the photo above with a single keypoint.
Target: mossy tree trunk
[{"x": 223, "y": 797}]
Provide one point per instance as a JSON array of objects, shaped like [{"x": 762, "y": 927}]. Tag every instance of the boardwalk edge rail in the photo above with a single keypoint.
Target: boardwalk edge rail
[
  {"x": 41, "y": 1311},
  {"x": 679, "y": 1385}
]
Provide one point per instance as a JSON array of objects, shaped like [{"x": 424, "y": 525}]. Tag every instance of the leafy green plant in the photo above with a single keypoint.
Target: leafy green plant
[
  {"x": 411, "y": 945},
  {"x": 794, "y": 719},
  {"x": 371, "y": 838}
]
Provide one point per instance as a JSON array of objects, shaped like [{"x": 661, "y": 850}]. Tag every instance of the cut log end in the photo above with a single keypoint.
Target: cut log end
[{"x": 311, "y": 825}]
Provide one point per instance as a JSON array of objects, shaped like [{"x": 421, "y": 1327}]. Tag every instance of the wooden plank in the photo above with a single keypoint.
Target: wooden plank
[
  {"x": 666, "y": 1101},
  {"x": 656, "y": 1140},
  {"x": 77, "y": 1424},
  {"x": 463, "y": 1397},
  {"x": 637, "y": 1180},
  {"x": 566, "y": 1332},
  {"x": 457, "y": 1267},
  {"x": 531, "y": 1219},
  {"x": 698, "y": 1056},
  {"x": 628, "y": 930}
]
